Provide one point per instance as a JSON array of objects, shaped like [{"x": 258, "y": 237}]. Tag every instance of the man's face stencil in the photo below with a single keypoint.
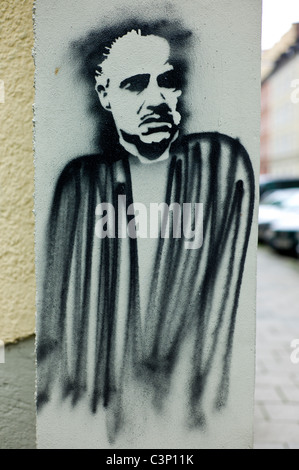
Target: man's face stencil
[{"x": 141, "y": 89}]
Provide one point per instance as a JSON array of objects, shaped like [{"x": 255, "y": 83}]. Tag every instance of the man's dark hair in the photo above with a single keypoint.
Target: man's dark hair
[{"x": 91, "y": 50}]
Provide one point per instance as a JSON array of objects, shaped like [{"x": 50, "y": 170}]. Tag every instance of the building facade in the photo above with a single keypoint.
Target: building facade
[{"x": 280, "y": 107}]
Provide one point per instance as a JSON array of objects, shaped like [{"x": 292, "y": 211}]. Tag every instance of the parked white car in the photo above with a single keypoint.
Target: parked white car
[
  {"x": 284, "y": 231},
  {"x": 272, "y": 209}
]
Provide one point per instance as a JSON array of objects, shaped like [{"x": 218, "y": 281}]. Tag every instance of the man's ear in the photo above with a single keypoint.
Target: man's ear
[{"x": 103, "y": 97}]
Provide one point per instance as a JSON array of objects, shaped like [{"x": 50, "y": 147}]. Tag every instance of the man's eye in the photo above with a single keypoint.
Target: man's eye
[
  {"x": 136, "y": 84},
  {"x": 169, "y": 79}
]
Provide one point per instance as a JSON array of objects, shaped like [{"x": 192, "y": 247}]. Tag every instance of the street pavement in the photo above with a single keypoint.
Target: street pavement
[{"x": 276, "y": 422}]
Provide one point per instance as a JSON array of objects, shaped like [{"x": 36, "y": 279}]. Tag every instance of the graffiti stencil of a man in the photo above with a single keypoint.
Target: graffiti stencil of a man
[{"x": 120, "y": 315}]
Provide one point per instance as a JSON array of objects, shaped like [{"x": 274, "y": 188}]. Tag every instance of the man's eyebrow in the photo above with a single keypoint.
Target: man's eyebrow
[{"x": 142, "y": 78}]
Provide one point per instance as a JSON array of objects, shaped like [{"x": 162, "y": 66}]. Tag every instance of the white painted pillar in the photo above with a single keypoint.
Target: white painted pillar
[{"x": 180, "y": 374}]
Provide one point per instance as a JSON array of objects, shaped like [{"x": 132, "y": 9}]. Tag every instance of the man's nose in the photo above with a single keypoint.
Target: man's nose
[{"x": 153, "y": 95}]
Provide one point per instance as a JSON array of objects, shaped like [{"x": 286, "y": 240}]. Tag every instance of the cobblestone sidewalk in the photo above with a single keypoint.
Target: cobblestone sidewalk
[{"x": 277, "y": 378}]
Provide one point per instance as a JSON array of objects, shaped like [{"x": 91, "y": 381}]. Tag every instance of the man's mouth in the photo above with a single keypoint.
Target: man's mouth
[
  {"x": 162, "y": 127},
  {"x": 157, "y": 124}
]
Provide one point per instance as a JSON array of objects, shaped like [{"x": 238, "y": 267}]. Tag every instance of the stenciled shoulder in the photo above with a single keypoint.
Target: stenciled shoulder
[
  {"x": 218, "y": 142},
  {"x": 81, "y": 167},
  {"x": 215, "y": 138}
]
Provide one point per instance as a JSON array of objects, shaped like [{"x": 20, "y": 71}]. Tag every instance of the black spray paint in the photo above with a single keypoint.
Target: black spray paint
[{"x": 183, "y": 283}]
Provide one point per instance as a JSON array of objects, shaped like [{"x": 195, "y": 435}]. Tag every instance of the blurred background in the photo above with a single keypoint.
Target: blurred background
[
  {"x": 277, "y": 347},
  {"x": 276, "y": 420}
]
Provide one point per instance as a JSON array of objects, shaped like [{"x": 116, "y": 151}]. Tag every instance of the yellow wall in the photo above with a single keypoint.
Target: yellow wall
[{"x": 17, "y": 277}]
